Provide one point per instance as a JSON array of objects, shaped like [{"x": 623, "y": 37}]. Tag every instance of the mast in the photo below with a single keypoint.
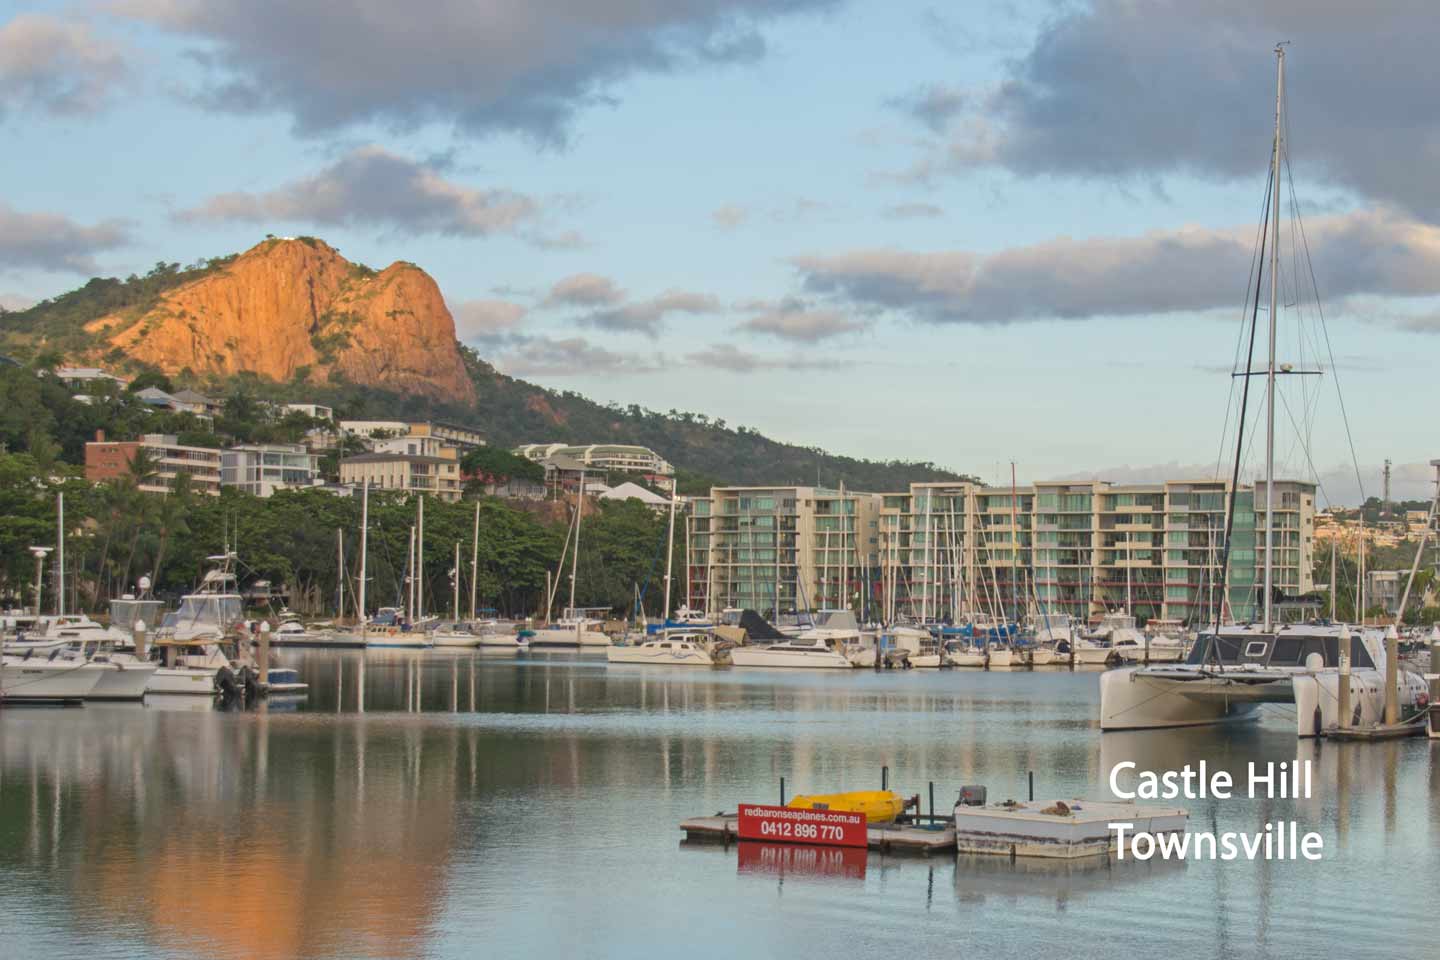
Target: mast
[
  {"x": 475, "y": 560},
  {"x": 1270, "y": 364},
  {"x": 364, "y": 544},
  {"x": 575, "y": 557},
  {"x": 60, "y": 554},
  {"x": 455, "y": 585},
  {"x": 420, "y": 559},
  {"x": 1332, "y": 579},
  {"x": 340, "y": 573},
  {"x": 1014, "y": 543},
  {"x": 670, "y": 559},
  {"x": 410, "y": 578}
]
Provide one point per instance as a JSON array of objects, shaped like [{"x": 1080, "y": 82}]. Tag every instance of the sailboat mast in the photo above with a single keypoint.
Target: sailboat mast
[
  {"x": 1270, "y": 364},
  {"x": 455, "y": 585},
  {"x": 364, "y": 544},
  {"x": 339, "y": 572},
  {"x": 669, "y": 558},
  {"x": 575, "y": 557},
  {"x": 60, "y": 554},
  {"x": 420, "y": 560},
  {"x": 475, "y": 560}
]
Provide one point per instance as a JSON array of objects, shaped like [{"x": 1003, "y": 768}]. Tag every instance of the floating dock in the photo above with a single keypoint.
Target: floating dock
[{"x": 888, "y": 838}]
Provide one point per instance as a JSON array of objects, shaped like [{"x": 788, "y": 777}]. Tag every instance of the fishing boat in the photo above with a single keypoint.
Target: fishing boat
[
  {"x": 673, "y": 648},
  {"x": 1233, "y": 669},
  {"x": 192, "y": 638},
  {"x": 817, "y": 653}
]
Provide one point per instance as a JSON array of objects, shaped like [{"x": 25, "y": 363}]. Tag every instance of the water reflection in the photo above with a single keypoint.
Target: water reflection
[{"x": 419, "y": 804}]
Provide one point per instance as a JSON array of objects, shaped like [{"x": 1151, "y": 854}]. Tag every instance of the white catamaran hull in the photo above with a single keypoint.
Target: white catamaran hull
[{"x": 766, "y": 657}]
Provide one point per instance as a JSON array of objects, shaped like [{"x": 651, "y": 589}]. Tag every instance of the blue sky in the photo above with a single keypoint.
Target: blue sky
[{"x": 1008, "y": 231}]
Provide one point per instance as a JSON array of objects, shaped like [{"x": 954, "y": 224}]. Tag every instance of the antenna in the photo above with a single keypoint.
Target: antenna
[{"x": 1385, "y": 488}]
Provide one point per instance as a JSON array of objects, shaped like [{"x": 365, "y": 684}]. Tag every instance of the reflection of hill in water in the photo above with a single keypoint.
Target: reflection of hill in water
[{"x": 296, "y": 840}]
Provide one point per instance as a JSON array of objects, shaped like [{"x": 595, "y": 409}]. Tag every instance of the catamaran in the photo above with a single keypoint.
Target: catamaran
[{"x": 1234, "y": 669}]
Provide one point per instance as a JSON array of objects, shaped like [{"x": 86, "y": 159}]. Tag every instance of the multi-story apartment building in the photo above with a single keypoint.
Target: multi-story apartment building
[
  {"x": 261, "y": 469},
  {"x": 941, "y": 549},
  {"x": 462, "y": 438},
  {"x": 167, "y": 457},
  {"x": 779, "y": 549},
  {"x": 602, "y": 457},
  {"x": 438, "y": 475}
]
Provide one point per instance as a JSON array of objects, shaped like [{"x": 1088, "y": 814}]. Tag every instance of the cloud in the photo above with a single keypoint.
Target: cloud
[
  {"x": 567, "y": 357},
  {"x": 1189, "y": 269},
  {"x": 800, "y": 322},
  {"x": 730, "y": 216},
  {"x": 648, "y": 316},
  {"x": 584, "y": 290},
  {"x": 57, "y": 66},
  {"x": 933, "y": 106},
  {"x": 487, "y": 321},
  {"x": 913, "y": 211},
  {"x": 525, "y": 66},
  {"x": 609, "y": 307},
  {"x": 1124, "y": 90},
  {"x": 16, "y": 301},
  {"x": 372, "y": 187},
  {"x": 725, "y": 356},
  {"x": 50, "y": 241}
]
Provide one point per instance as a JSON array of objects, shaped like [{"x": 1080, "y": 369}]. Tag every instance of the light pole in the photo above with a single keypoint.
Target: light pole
[{"x": 40, "y": 554}]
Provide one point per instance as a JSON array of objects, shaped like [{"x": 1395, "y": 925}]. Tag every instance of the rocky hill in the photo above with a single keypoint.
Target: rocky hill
[
  {"x": 296, "y": 310},
  {"x": 294, "y": 320}
]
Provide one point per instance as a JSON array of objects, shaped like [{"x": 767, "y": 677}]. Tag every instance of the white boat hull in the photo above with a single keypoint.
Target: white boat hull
[
  {"x": 1041, "y": 656},
  {"x": 925, "y": 661},
  {"x": 1093, "y": 656},
  {"x": 182, "y": 681},
  {"x": 411, "y": 640},
  {"x": 124, "y": 680},
  {"x": 966, "y": 658},
  {"x": 1003, "y": 657},
  {"x": 766, "y": 657},
  {"x": 454, "y": 639},
  {"x": 42, "y": 681},
  {"x": 561, "y": 638},
  {"x": 659, "y": 657}
]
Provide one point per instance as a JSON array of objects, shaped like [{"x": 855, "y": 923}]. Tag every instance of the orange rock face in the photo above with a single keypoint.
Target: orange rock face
[{"x": 288, "y": 308}]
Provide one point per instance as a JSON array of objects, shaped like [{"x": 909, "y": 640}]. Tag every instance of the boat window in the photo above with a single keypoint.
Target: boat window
[
  {"x": 1255, "y": 649},
  {"x": 664, "y": 646},
  {"x": 1287, "y": 651}
]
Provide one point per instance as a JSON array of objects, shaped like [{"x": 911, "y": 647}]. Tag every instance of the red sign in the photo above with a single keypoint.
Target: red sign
[
  {"x": 794, "y": 860},
  {"x": 830, "y": 828}
]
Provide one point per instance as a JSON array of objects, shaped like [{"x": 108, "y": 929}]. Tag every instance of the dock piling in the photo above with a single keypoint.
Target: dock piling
[
  {"x": 1032, "y": 786},
  {"x": 782, "y": 791},
  {"x": 884, "y": 778},
  {"x": 140, "y": 640},
  {"x": 1343, "y": 690}
]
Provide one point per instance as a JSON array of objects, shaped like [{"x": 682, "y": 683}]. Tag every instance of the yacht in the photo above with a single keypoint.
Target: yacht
[
  {"x": 192, "y": 637},
  {"x": 673, "y": 648},
  {"x": 458, "y": 635},
  {"x": 839, "y": 630},
  {"x": 579, "y": 628},
  {"x": 389, "y": 628},
  {"x": 1232, "y": 671},
  {"x": 33, "y": 677},
  {"x": 792, "y": 653}
]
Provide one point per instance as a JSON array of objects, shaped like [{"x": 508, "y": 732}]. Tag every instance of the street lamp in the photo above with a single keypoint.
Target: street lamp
[{"x": 40, "y": 554}]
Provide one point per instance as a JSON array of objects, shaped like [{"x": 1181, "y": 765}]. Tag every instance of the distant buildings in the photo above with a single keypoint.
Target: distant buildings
[
  {"x": 462, "y": 438},
  {"x": 940, "y": 549},
  {"x": 261, "y": 469},
  {"x": 606, "y": 457},
  {"x": 168, "y": 458},
  {"x": 415, "y": 473}
]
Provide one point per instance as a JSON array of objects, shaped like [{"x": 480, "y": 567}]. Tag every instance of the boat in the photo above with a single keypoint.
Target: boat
[
  {"x": 1151, "y": 648},
  {"x": 839, "y": 630},
  {"x": 389, "y": 628},
  {"x": 459, "y": 635},
  {"x": 673, "y": 648},
  {"x": 578, "y": 628},
  {"x": 32, "y": 677},
  {"x": 962, "y": 653},
  {"x": 878, "y": 806},
  {"x": 817, "y": 653},
  {"x": 1234, "y": 668},
  {"x": 191, "y": 639}
]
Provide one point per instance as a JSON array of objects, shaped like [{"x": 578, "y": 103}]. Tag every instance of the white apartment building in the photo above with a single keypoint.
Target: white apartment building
[{"x": 261, "y": 469}]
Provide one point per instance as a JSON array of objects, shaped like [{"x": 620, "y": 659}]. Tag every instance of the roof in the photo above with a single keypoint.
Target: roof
[
  {"x": 154, "y": 395},
  {"x": 562, "y": 462},
  {"x": 633, "y": 491},
  {"x": 190, "y": 396}
]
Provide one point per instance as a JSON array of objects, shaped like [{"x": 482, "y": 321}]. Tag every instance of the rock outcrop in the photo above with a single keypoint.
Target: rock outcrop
[{"x": 288, "y": 309}]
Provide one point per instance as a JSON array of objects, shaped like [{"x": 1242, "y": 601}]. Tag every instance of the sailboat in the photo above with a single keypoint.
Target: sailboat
[
  {"x": 1234, "y": 669},
  {"x": 578, "y": 627}
]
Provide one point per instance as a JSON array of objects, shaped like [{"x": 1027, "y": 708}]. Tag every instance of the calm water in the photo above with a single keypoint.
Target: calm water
[{"x": 465, "y": 805}]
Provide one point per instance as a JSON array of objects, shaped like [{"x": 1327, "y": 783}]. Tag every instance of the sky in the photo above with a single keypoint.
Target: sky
[{"x": 971, "y": 234}]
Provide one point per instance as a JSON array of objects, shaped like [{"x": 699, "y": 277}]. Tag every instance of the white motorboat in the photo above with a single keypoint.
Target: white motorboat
[
  {"x": 1231, "y": 672},
  {"x": 1090, "y": 653},
  {"x": 839, "y": 630},
  {"x": 961, "y": 654},
  {"x": 816, "y": 653},
  {"x": 577, "y": 629},
  {"x": 672, "y": 648},
  {"x": 36, "y": 678},
  {"x": 1150, "y": 649},
  {"x": 190, "y": 638}
]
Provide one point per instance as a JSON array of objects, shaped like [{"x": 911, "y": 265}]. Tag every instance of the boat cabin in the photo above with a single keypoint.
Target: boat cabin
[{"x": 1286, "y": 647}]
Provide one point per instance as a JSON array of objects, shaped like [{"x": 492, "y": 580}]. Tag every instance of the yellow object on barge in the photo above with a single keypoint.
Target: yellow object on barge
[{"x": 879, "y": 806}]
